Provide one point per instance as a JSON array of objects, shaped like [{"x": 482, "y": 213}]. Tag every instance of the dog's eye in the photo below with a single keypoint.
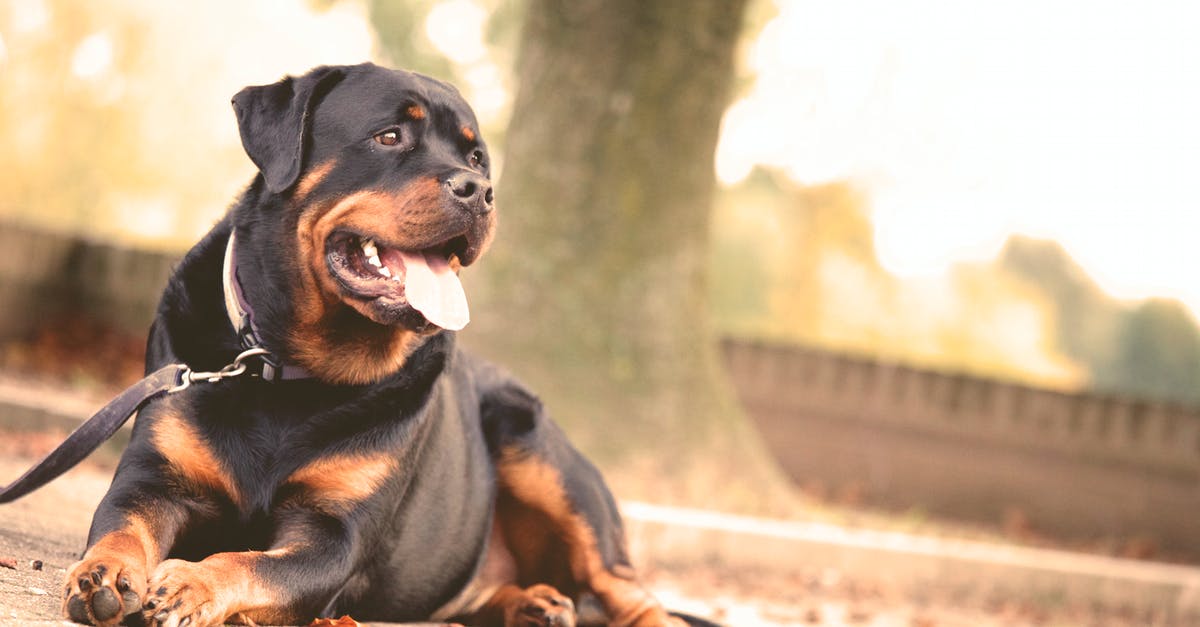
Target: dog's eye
[
  {"x": 476, "y": 158},
  {"x": 388, "y": 138}
]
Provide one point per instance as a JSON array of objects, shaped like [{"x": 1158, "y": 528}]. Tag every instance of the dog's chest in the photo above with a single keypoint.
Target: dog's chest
[{"x": 255, "y": 453}]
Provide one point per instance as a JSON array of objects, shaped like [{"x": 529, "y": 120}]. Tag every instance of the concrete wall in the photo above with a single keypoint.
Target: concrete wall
[{"x": 1082, "y": 465}]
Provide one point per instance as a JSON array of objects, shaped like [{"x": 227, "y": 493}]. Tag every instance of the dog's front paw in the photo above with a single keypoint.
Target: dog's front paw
[
  {"x": 103, "y": 590},
  {"x": 182, "y": 594}
]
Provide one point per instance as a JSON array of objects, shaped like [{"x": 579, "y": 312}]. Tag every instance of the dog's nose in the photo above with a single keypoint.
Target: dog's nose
[{"x": 471, "y": 190}]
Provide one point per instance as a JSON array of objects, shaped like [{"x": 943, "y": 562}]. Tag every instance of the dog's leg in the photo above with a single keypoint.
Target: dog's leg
[
  {"x": 313, "y": 554},
  {"x": 170, "y": 480},
  {"x": 131, "y": 531},
  {"x": 553, "y": 504},
  {"x": 574, "y": 514},
  {"x": 288, "y": 584}
]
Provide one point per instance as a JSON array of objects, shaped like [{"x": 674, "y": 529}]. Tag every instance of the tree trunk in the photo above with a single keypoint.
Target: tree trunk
[{"x": 595, "y": 291}]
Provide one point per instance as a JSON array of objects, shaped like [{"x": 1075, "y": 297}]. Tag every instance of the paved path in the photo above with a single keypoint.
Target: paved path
[{"x": 49, "y": 526}]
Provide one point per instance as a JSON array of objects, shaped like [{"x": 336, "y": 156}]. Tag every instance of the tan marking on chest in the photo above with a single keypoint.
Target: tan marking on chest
[
  {"x": 191, "y": 457},
  {"x": 340, "y": 482}
]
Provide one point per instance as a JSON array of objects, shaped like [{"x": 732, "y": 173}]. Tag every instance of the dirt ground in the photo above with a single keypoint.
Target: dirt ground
[{"x": 42, "y": 534}]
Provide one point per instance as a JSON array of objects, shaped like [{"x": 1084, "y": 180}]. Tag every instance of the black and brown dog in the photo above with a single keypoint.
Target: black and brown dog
[{"x": 384, "y": 473}]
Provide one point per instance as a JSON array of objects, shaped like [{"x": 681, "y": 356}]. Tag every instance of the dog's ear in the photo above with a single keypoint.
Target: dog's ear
[{"x": 274, "y": 123}]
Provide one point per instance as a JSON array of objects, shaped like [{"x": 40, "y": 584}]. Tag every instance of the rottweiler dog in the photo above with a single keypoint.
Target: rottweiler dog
[{"x": 365, "y": 465}]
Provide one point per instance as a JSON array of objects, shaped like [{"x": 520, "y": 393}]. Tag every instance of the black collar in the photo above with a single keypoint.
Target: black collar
[{"x": 241, "y": 316}]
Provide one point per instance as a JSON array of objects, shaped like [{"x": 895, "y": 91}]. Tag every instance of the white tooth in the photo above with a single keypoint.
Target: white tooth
[
  {"x": 385, "y": 272},
  {"x": 369, "y": 249},
  {"x": 374, "y": 260}
]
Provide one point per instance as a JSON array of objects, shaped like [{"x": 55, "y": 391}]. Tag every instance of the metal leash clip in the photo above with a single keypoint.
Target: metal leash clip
[{"x": 187, "y": 376}]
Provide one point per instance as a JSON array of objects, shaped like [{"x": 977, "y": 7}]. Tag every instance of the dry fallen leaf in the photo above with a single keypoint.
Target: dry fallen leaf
[{"x": 344, "y": 621}]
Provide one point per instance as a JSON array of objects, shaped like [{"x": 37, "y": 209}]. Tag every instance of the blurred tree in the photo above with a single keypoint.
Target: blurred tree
[
  {"x": 744, "y": 234},
  {"x": 1157, "y": 354},
  {"x": 1087, "y": 318},
  {"x": 49, "y": 178},
  {"x": 825, "y": 286},
  {"x": 398, "y": 26},
  {"x": 116, "y": 121},
  {"x": 596, "y": 291},
  {"x": 1151, "y": 349},
  {"x": 826, "y": 229}
]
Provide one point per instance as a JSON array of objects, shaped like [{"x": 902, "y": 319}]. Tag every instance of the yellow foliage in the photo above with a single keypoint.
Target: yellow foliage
[
  {"x": 115, "y": 115},
  {"x": 825, "y": 287}
]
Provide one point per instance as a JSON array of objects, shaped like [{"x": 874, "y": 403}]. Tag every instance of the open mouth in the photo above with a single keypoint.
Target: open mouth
[{"x": 410, "y": 287}]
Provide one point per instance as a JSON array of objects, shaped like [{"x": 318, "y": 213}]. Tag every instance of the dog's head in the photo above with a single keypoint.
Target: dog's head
[{"x": 387, "y": 178}]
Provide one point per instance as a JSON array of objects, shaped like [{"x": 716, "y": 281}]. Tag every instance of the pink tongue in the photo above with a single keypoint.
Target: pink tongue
[{"x": 433, "y": 289}]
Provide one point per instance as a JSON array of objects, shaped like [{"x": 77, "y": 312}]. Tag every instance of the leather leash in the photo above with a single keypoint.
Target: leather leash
[{"x": 104, "y": 423}]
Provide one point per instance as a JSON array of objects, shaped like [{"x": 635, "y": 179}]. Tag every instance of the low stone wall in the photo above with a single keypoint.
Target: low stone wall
[
  {"x": 1082, "y": 465},
  {"x": 47, "y": 275}
]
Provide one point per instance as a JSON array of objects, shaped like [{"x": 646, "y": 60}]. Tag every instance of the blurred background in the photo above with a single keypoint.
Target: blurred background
[{"x": 923, "y": 266}]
